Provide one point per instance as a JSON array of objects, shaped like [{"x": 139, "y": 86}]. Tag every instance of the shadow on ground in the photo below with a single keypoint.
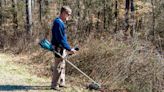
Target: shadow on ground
[{"x": 22, "y": 87}]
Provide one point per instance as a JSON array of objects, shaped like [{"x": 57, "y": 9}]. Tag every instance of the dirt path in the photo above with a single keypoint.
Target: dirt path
[{"x": 16, "y": 78}]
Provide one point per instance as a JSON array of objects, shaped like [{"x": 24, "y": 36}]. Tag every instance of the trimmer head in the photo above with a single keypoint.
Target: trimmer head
[{"x": 94, "y": 86}]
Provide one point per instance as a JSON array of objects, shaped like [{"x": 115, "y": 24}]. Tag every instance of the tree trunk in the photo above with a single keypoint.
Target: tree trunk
[
  {"x": 15, "y": 20},
  {"x": 0, "y": 14},
  {"x": 127, "y": 4},
  {"x": 0, "y": 3},
  {"x": 40, "y": 10},
  {"x": 116, "y": 16},
  {"x": 132, "y": 5},
  {"x": 2, "y": 20},
  {"x": 97, "y": 24},
  {"x": 46, "y": 8},
  {"x": 132, "y": 31},
  {"x": 33, "y": 3},
  {"x": 28, "y": 16},
  {"x": 116, "y": 9},
  {"x": 127, "y": 15},
  {"x": 153, "y": 20},
  {"x": 129, "y": 23},
  {"x": 105, "y": 14}
]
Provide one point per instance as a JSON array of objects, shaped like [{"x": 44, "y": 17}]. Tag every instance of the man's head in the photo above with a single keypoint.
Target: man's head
[{"x": 65, "y": 12}]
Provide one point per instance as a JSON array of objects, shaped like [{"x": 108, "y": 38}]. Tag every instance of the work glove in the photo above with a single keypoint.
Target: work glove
[{"x": 73, "y": 50}]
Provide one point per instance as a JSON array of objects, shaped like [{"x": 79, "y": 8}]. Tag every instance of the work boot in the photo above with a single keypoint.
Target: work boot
[
  {"x": 63, "y": 86},
  {"x": 55, "y": 88}
]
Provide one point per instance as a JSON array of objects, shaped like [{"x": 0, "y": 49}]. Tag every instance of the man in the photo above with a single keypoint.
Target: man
[{"x": 60, "y": 43}]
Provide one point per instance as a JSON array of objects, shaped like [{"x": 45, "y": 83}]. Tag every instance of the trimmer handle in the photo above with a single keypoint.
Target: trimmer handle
[{"x": 76, "y": 48}]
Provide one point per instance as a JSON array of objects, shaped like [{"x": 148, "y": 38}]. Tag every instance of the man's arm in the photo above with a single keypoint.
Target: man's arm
[{"x": 62, "y": 39}]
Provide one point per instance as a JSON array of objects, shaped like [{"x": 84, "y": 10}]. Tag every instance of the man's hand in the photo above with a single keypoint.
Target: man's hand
[{"x": 73, "y": 51}]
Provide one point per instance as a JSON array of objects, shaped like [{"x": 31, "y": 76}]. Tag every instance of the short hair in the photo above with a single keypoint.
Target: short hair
[{"x": 66, "y": 9}]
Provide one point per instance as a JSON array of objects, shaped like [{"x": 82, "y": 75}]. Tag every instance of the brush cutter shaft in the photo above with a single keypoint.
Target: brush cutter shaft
[
  {"x": 75, "y": 67},
  {"x": 80, "y": 71}
]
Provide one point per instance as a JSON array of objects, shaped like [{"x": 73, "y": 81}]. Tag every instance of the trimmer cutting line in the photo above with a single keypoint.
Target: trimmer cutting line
[{"x": 46, "y": 45}]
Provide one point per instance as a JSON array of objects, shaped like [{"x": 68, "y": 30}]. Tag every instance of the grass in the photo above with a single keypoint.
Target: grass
[
  {"x": 16, "y": 72},
  {"x": 131, "y": 64},
  {"x": 16, "y": 77}
]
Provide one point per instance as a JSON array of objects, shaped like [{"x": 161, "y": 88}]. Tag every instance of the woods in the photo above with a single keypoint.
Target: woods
[
  {"x": 101, "y": 15},
  {"x": 121, "y": 39}
]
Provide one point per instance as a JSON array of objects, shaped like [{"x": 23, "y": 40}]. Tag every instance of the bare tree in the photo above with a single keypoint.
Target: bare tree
[
  {"x": 0, "y": 3},
  {"x": 15, "y": 20},
  {"x": 153, "y": 19},
  {"x": 28, "y": 16},
  {"x": 129, "y": 5},
  {"x": 104, "y": 14},
  {"x": 33, "y": 3},
  {"x": 132, "y": 24},
  {"x": 0, "y": 14},
  {"x": 116, "y": 16},
  {"x": 40, "y": 9}
]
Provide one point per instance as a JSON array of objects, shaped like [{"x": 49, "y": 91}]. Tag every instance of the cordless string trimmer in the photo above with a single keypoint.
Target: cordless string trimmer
[{"x": 46, "y": 45}]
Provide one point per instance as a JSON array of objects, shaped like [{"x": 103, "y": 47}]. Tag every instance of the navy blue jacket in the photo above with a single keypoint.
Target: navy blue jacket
[{"x": 59, "y": 37}]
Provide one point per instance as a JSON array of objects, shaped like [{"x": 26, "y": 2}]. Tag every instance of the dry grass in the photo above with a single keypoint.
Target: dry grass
[
  {"x": 117, "y": 64},
  {"x": 132, "y": 64}
]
